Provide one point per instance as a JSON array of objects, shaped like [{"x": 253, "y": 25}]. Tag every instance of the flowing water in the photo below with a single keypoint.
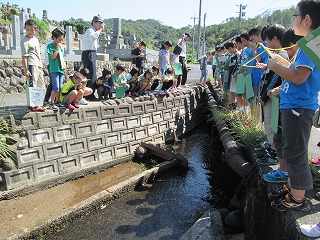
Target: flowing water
[{"x": 166, "y": 208}]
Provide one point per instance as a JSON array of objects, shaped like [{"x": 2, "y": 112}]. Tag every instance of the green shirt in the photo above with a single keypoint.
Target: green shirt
[
  {"x": 66, "y": 88},
  {"x": 55, "y": 64},
  {"x": 118, "y": 79}
]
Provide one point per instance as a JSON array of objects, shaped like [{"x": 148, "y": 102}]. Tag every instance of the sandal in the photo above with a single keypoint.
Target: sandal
[{"x": 279, "y": 193}]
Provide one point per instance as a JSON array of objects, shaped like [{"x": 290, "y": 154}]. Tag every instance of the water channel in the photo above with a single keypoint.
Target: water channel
[{"x": 168, "y": 207}]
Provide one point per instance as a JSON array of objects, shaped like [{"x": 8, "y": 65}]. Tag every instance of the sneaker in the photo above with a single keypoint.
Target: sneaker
[
  {"x": 268, "y": 160},
  {"x": 279, "y": 193},
  {"x": 265, "y": 144},
  {"x": 311, "y": 230},
  {"x": 60, "y": 105},
  {"x": 276, "y": 176},
  {"x": 288, "y": 202},
  {"x": 75, "y": 104},
  {"x": 53, "y": 107},
  {"x": 82, "y": 101},
  {"x": 70, "y": 106},
  {"x": 37, "y": 109}
]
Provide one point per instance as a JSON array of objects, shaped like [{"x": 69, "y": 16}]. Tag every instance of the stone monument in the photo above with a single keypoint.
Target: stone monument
[
  {"x": 117, "y": 41},
  {"x": 69, "y": 40},
  {"x": 45, "y": 15}
]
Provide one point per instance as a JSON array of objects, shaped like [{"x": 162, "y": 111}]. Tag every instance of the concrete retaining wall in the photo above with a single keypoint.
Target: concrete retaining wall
[{"x": 59, "y": 143}]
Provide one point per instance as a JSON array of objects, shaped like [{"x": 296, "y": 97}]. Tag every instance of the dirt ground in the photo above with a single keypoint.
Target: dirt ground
[{"x": 23, "y": 214}]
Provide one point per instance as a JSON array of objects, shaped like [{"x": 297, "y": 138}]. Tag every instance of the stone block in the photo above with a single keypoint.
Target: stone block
[
  {"x": 141, "y": 133},
  {"x": 146, "y": 119},
  {"x": 124, "y": 110},
  {"x": 177, "y": 101},
  {"x": 127, "y": 136},
  {"x": 40, "y": 137},
  {"x": 85, "y": 129},
  {"x": 45, "y": 170},
  {"x": 133, "y": 122},
  {"x": 133, "y": 146},
  {"x": 103, "y": 126},
  {"x": 69, "y": 164},
  {"x": 29, "y": 156},
  {"x": 169, "y": 103},
  {"x": 113, "y": 138},
  {"x": 163, "y": 126},
  {"x": 157, "y": 116},
  {"x": 88, "y": 159},
  {"x": 106, "y": 154},
  {"x": 138, "y": 108},
  {"x": 29, "y": 121},
  {"x": 77, "y": 146},
  {"x": 49, "y": 119},
  {"x": 122, "y": 150},
  {"x": 153, "y": 130},
  {"x": 96, "y": 142},
  {"x": 91, "y": 114},
  {"x": 63, "y": 133},
  {"x": 185, "y": 99},
  {"x": 118, "y": 124},
  {"x": 160, "y": 138},
  {"x": 167, "y": 114},
  {"x": 150, "y": 106},
  {"x": 161, "y": 104},
  {"x": 173, "y": 124},
  {"x": 71, "y": 117},
  {"x": 109, "y": 111},
  {"x": 182, "y": 111},
  {"x": 169, "y": 136},
  {"x": 54, "y": 151},
  {"x": 16, "y": 178}
]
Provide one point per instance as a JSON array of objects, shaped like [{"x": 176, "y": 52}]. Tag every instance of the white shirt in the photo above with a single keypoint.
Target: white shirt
[
  {"x": 184, "y": 47},
  {"x": 46, "y": 55},
  {"x": 90, "y": 39}
]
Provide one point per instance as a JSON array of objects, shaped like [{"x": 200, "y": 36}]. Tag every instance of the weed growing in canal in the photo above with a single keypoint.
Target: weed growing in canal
[{"x": 247, "y": 131}]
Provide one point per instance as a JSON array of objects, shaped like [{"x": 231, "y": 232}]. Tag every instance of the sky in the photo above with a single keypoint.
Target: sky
[{"x": 177, "y": 13}]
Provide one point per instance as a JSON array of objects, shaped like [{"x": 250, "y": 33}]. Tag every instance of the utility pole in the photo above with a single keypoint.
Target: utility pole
[
  {"x": 241, "y": 14},
  {"x": 204, "y": 34},
  {"x": 193, "y": 31},
  {"x": 199, "y": 31}
]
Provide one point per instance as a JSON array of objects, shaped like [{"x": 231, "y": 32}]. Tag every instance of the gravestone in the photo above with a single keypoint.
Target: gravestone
[
  {"x": 117, "y": 41},
  {"x": 45, "y": 15},
  {"x": 29, "y": 11},
  {"x": 15, "y": 32},
  {"x": 1, "y": 42},
  {"x": 69, "y": 40},
  {"x": 34, "y": 15},
  {"x": 132, "y": 39},
  {"x": 23, "y": 16},
  {"x": 102, "y": 43}
]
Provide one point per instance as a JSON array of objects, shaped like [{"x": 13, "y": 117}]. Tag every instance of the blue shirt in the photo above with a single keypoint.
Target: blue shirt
[
  {"x": 303, "y": 95},
  {"x": 247, "y": 55},
  {"x": 257, "y": 73}
]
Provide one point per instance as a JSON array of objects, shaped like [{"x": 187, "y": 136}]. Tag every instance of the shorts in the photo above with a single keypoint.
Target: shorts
[
  {"x": 66, "y": 97},
  {"x": 204, "y": 73},
  {"x": 57, "y": 81},
  {"x": 36, "y": 79},
  {"x": 233, "y": 84}
]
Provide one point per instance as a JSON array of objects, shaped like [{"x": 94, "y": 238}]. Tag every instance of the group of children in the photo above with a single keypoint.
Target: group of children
[
  {"x": 73, "y": 92},
  {"x": 271, "y": 62}
]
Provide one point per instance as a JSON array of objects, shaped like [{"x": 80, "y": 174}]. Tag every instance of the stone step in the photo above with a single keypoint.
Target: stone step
[{"x": 208, "y": 226}]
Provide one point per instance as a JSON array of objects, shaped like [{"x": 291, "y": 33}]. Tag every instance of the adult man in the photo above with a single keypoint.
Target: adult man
[
  {"x": 138, "y": 56},
  {"x": 182, "y": 58},
  {"x": 89, "y": 53}
]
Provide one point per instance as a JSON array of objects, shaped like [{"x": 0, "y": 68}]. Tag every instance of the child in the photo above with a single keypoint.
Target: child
[
  {"x": 145, "y": 82},
  {"x": 70, "y": 92},
  {"x": 132, "y": 79},
  {"x": 164, "y": 56},
  {"x": 298, "y": 103},
  {"x": 118, "y": 79},
  {"x": 104, "y": 84},
  {"x": 57, "y": 66},
  {"x": 274, "y": 35},
  {"x": 203, "y": 67},
  {"x": 31, "y": 60},
  {"x": 176, "y": 66},
  {"x": 83, "y": 86},
  {"x": 233, "y": 66},
  {"x": 155, "y": 78},
  {"x": 166, "y": 81}
]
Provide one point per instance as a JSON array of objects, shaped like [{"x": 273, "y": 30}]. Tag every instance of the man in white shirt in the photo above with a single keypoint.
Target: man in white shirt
[
  {"x": 89, "y": 53},
  {"x": 182, "y": 58}
]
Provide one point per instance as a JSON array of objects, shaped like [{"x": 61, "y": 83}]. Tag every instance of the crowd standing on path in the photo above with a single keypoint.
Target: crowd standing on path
[{"x": 259, "y": 65}]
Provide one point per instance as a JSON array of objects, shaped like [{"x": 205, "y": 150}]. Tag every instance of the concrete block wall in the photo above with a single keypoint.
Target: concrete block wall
[{"x": 56, "y": 144}]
